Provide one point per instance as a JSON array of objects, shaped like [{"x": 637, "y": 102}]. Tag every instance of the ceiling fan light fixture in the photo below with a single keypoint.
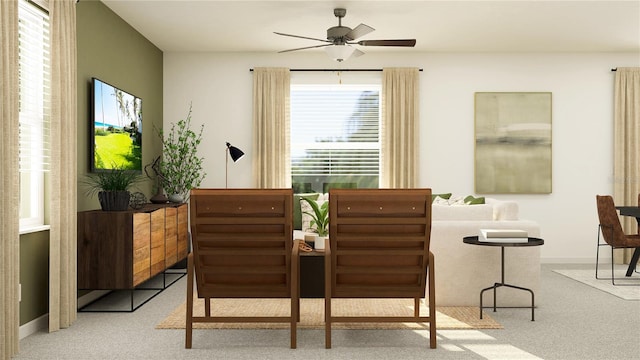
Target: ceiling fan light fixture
[
  {"x": 339, "y": 53},
  {"x": 340, "y": 38}
]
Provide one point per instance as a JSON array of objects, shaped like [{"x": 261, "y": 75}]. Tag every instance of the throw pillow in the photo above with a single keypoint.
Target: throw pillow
[
  {"x": 458, "y": 200},
  {"x": 471, "y": 200},
  {"x": 442, "y": 196},
  {"x": 297, "y": 212},
  {"x": 440, "y": 201}
]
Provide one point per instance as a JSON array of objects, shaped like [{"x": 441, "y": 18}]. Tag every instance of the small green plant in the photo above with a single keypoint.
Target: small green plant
[
  {"x": 319, "y": 217},
  {"x": 181, "y": 167},
  {"x": 114, "y": 179}
]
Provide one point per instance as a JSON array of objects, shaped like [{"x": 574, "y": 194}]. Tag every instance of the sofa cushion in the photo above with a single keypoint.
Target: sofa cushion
[
  {"x": 503, "y": 209},
  {"x": 461, "y": 212}
]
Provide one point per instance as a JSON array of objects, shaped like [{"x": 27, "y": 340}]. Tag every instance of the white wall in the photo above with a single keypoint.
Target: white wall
[{"x": 220, "y": 87}]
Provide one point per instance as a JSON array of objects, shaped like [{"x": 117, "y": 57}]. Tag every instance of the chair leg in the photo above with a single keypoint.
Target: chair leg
[
  {"x": 189, "y": 316},
  {"x": 295, "y": 311},
  {"x": 613, "y": 278},
  {"x": 207, "y": 307},
  {"x": 327, "y": 295},
  {"x": 295, "y": 295},
  {"x": 432, "y": 301},
  {"x": 597, "y": 251},
  {"x": 327, "y": 322},
  {"x": 613, "y": 281}
]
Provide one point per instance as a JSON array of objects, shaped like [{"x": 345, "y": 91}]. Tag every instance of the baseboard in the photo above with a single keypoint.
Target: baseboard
[
  {"x": 34, "y": 326},
  {"x": 91, "y": 297}
]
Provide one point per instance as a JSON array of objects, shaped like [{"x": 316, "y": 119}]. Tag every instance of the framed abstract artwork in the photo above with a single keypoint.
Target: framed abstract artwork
[{"x": 513, "y": 143}]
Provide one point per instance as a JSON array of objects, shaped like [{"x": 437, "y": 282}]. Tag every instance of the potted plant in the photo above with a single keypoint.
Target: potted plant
[
  {"x": 181, "y": 167},
  {"x": 112, "y": 187},
  {"x": 319, "y": 219}
]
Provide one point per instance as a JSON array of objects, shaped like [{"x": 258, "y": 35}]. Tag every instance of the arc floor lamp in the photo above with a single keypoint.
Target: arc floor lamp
[{"x": 235, "y": 154}]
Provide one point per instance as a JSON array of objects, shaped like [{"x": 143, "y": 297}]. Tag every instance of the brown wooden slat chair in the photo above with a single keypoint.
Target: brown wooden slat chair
[
  {"x": 242, "y": 248},
  {"x": 611, "y": 230},
  {"x": 379, "y": 248}
]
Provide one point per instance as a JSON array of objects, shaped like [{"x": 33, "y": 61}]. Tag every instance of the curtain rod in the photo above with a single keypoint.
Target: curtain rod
[
  {"x": 614, "y": 69},
  {"x": 335, "y": 70}
]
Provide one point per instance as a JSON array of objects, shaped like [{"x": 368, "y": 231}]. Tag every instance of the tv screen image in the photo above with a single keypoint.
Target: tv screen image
[{"x": 116, "y": 128}]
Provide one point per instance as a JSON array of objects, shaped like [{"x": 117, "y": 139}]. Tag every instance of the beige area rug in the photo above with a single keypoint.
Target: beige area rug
[
  {"x": 622, "y": 290},
  {"x": 312, "y": 314}
]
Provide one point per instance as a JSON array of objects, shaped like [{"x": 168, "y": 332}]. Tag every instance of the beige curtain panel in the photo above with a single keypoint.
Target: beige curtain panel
[
  {"x": 271, "y": 155},
  {"x": 9, "y": 181},
  {"x": 399, "y": 133},
  {"x": 626, "y": 146},
  {"x": 63, "y": 203}
]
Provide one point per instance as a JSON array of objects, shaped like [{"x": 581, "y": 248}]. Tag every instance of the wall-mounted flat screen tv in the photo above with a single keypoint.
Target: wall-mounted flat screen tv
[{"x": 116, "y": 128}]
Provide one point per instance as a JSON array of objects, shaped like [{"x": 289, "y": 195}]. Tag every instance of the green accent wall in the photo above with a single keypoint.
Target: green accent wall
[
  {"x": 113, "y": 51},
  {"x": 34, "y": 275}
]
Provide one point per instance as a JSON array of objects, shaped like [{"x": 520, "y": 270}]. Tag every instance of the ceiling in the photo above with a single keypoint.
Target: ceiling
[{"x": 438, "y": 26}]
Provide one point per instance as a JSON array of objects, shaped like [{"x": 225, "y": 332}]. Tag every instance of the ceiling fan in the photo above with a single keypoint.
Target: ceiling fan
[{"x": 340, "y": 38}]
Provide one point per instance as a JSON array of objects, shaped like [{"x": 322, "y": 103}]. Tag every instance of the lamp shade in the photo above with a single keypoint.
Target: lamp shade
[
  {"x": 234, "y": 152},
  {"x": 339, "y": 52}
]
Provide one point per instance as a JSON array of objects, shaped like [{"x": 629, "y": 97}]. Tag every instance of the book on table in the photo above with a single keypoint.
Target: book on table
[{"x": 503, "y": 235}]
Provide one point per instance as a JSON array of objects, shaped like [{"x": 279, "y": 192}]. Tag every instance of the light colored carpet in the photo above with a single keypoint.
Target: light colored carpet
[
  {"x": 312, "y": 314},
  {"x": 588, "y": 277}
]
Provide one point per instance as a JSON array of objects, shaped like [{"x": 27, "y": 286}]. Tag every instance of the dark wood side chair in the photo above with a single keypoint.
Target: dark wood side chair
[
  {"x": 379, "y": 248},
  {"x": 242, "y": 248},
  {"x": 611, "y": 230}
]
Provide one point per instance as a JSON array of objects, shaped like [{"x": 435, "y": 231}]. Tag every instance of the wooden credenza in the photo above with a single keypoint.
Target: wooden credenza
[{"x": 122, "y": 249}]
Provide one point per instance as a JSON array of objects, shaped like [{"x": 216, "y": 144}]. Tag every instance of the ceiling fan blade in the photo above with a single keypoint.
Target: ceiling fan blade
[
  {"x": 306, "y": 47},
  {"x": 302, "y": 37},
  {"x": 359, "y": 31},
  {"x": 357, "y": 53},
  {"x": 405, "y": 42}
]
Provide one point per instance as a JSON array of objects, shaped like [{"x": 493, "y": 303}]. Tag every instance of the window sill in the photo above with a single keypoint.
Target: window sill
[{"x": 34, "y": 229}]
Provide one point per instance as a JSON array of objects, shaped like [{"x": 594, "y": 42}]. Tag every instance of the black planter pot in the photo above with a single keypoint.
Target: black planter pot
[{"x": 114, "y": 200}]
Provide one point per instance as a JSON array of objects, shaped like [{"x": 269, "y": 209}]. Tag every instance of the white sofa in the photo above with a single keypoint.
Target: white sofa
[{"x": 463, "y": 270}]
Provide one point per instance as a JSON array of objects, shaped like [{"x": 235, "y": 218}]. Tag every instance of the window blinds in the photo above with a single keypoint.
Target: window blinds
[
  {"x": 35, "y": 93},
  {"x": 34, "y": 111},
  {"x": 335, "y": 130}
]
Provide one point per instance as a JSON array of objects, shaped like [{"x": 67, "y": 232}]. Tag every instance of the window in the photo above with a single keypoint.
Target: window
[
  {"x": 335, "y": 139},
  {"x": 35, "y": 112}
]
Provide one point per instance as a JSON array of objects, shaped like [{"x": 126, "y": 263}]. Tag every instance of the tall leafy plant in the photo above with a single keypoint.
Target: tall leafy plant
[
  {"x": 319, "y": 217},
  {"x": 181, "y": 167}
]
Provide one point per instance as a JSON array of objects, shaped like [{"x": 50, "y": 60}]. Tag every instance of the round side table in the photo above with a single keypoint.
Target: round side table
[{"x": 474, "y": 240}]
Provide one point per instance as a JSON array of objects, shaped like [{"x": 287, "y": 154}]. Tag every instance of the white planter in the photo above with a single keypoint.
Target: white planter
[
  {"x": 319, "y": 242},
  {"x": 176, "y": 198}
]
